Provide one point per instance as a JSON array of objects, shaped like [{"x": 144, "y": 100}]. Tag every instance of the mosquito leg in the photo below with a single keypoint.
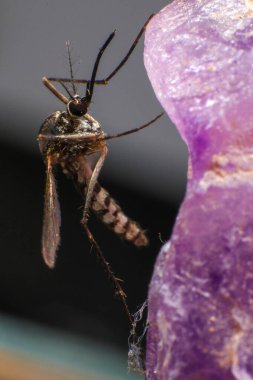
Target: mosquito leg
[
  {"x": 76, "y": 137},
  {"x": 92, "y": 183},
  {"x": 83, "y": 81},
  {"x": 116, "y": 282},
  {"x": 121, "y": 64},
  {"x": 67, "y": 137},
  {"x": 109, "y": 137},
  {"x": 116, "y": 70}
]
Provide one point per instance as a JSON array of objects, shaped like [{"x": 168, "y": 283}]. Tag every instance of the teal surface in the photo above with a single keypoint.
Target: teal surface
[{"x": 54, "y": 348}]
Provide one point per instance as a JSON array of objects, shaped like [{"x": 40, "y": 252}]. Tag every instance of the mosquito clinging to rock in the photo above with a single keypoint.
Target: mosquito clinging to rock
[{"x": 68, "y": 138}]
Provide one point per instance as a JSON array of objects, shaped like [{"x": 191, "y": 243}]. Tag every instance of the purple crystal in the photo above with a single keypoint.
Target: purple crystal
[{"x": 199, "y": 59}]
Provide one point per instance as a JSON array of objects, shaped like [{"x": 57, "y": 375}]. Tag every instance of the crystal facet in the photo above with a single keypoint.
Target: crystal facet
[{"x": 199, "y": 58}]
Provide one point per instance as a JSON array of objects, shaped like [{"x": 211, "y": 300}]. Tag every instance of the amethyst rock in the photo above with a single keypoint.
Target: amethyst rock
[{"x": 199, "y": 58}]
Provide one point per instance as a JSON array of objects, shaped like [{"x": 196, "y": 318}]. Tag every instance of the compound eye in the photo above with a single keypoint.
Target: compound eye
[{"x": 77, "y": 108}]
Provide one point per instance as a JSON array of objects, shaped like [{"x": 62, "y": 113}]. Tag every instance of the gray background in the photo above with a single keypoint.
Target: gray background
[
  {"x": 144, "y": 172},
  {"x": 32, "y": 40}
]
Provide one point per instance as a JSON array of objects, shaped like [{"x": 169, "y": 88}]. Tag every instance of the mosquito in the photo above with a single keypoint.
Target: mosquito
[{"x": 69, "y": 139}]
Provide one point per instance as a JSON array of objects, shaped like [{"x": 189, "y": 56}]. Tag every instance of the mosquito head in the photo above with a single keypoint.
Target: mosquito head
[{"x": 77, "y": 106}]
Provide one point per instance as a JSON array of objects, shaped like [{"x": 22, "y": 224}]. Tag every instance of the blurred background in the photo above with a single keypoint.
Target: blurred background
[{"x": 70, "y": 316}]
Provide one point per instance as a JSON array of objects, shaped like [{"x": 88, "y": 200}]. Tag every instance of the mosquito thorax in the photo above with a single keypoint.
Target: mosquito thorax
[{"x": 77, "y": 107}]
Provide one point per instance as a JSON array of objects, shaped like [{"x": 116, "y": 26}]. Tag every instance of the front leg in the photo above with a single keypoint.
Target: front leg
[{"x": 91, "y": 184}]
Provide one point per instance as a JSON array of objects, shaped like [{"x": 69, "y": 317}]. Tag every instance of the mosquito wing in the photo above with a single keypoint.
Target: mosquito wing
[{"x": 52, "y": 218}]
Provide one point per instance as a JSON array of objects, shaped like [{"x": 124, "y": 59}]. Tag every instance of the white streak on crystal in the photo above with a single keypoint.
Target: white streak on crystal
[
  {"x": 222, "y": 176},
  {"x": 240, "y": 374},
  {"x": 165, "y": 330},
  {"x": 174, "y": 299},
  {"x": 166, "y": 246},
  {"x": 230, "y": 180}
]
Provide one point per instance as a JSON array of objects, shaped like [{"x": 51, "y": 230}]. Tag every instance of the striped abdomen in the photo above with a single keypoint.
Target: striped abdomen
[{"x": 105, "y": 207}]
